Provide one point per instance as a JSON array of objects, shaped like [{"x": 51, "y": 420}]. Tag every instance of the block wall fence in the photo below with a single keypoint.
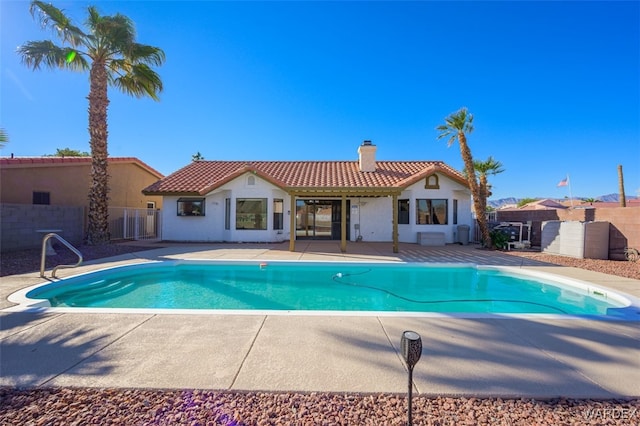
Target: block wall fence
[
  {"x": 20, "y": 224},
  {"x": 624, "y": 224}
]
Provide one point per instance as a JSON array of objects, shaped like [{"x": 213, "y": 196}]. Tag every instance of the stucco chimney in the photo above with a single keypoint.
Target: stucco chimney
[{"x": 367, "y": 156}]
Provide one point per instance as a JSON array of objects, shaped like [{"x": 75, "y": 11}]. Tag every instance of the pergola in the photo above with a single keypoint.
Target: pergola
[{"x": 342, "y": 193}]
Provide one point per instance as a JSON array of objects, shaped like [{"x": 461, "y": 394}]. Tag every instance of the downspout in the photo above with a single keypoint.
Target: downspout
[
  {"x": 343, "y": 225},
  {"x": 292, "y": 222},
  {"x": 395, "y": 222}
]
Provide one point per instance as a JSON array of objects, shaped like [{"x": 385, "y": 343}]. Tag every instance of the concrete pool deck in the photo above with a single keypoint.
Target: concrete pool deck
[{"x": 537, "y": 357}]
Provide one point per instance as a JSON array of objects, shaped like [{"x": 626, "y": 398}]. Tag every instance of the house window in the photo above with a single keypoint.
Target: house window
[
  {"x": 227, "y": 213},
  {"x": 251, "y": 213},
  {"x": 41, "y": 197},
  {"x": 455, "y": 212},
  {"x": 431, "y": 212},
  {"x": 191, "y": 207},
  {"x": 251, "y": 181},
  {"x": 403, "y": 212},
  {"x": 278, "y": 216}
]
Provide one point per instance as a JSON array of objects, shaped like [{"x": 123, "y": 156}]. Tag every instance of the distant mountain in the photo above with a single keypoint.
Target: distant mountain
[
  {"x": 609, "y": 198},
  {"x": 613, "y": 198},
  {"x": 502, "y": 201}
]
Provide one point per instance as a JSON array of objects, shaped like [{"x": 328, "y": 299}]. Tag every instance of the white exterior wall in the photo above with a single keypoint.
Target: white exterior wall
[
  {"x": 373, "y": 216},
  {"x": 211, "y": 226},
  {"x": 449, "y": 190}
]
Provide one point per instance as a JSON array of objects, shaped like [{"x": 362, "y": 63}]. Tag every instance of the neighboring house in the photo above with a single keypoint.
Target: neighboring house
[
  {"x": 273, "y": 201},
  {"x": 65, "y": 181},
  {"x": 544, "y": 204},
  {"x": 39, "y": 194},
  {"x": 631, "y": 202}
]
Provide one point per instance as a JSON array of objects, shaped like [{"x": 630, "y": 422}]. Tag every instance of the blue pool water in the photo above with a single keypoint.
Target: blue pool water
[{"x": 300, "y": 286}]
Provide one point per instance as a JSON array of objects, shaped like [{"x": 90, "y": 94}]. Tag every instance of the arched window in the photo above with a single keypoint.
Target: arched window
[{"x": 432, "y": 182}]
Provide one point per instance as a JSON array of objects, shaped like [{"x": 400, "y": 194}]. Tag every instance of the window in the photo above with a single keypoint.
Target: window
[
  {"x": 251, "y": 213},
  {"x": 432, "y": 182},
  {"x": 191, "y": 207},
  {"x": 431, "y": 212},
  {"x": 403, "y": 212},
  {"x": 227, "y": 213},
  {"x": 278, "y": 216},
  {"x": 41, "y": 197}
]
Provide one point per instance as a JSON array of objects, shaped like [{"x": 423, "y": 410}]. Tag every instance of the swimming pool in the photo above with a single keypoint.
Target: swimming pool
[{"x": 323, "y": 286}]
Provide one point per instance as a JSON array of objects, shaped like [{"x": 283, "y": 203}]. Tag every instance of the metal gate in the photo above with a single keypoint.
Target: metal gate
[{"x": 134, "y": 224}]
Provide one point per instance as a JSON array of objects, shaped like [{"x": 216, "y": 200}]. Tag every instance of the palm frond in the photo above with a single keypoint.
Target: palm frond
[
  {"x": 4, "y": 137},
  {"x": 34, "y": 54},
  {"x": 459, "y": 122},
  {"x": 142, "y": 53},
  {"x": 140, "y": 81},
  {"x": 112, "y": 34},
  {"x": 53, "y": 18},
  {"x": 447, "y": 132}
]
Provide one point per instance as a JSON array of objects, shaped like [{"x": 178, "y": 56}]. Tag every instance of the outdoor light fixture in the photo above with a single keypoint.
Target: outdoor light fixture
[{"x": 411, "y": 348}]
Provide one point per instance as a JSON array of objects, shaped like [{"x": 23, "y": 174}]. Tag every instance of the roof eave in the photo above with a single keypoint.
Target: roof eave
[
  {"x": 328, "y": 191},
  {"x": 436, "y": 168}
]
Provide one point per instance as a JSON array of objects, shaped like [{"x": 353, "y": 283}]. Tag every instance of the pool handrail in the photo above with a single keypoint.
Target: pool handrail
[{"x": 44, "y": 253}]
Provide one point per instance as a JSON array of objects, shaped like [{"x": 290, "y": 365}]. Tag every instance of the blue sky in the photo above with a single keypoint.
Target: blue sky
[{"x": 554, "y": 86}]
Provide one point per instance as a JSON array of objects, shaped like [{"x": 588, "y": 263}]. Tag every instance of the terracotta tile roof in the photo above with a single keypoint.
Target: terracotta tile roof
[
  {"x": 201, "y": 177},
  {"x": 22, "y": 162}
]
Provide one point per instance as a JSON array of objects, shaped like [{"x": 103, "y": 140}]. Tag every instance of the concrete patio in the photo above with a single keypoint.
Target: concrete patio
[{"x": 494, "y": 356}]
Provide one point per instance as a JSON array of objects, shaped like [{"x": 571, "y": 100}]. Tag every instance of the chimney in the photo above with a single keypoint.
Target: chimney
[{"x": 367, "y": 156}]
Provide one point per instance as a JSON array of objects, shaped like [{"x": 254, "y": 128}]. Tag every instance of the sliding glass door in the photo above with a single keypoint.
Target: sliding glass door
[{"x": 319, "y": 219}]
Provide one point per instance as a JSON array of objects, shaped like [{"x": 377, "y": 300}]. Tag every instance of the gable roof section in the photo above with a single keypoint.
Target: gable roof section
[
  {"x": 26, "y": 162},
  {"x": 202, "y": 177}
]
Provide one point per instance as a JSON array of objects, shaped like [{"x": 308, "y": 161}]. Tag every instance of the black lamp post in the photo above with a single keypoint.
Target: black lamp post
[{"x": 411, "y": 347}]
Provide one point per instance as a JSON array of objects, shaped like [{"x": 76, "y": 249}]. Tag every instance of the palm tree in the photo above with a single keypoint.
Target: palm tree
[
  {"x": 590, "y": 200},
  {"x": 4, "y": 138},
  {"x": 622, "y": 199},
  {"x": 526, "y": 200},
  {"x": 457, "y": 126},
  {"x": 489, "y": 167},
  {"x": 68, "y": 152},
  {"x": 109, "y": 52}
]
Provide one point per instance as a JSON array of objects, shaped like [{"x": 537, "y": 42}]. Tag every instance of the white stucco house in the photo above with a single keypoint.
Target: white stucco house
[{"x": 275, "y": 201}]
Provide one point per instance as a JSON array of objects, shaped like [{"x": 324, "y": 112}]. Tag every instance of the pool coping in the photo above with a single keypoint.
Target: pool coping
[
  {"x": 25, "y": 304},
  {"x": 497, "y": 356}
]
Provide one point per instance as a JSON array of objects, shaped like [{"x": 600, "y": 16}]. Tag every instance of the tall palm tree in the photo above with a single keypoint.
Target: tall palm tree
[
  {"x": 622, "y": 199},
  {"x": 457, "y": 126},
  {"x": 109, "y": 52},
  {"x": 483, "y": 169}
]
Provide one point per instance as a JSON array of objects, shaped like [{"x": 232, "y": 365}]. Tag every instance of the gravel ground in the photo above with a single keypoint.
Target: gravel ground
[
  {"x": 621, "y": 268},
  {"x": 89, "y": 406},
  {"x": 70, "y": 406},
  {"x": 24, "y": 261}
]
